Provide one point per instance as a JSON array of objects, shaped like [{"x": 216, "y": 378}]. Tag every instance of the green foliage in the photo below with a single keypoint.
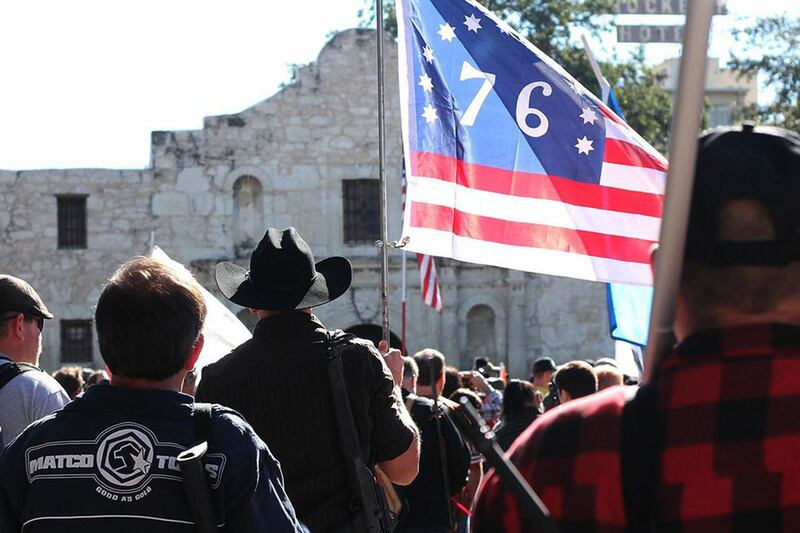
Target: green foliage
[
  {"x": 647, "y": 106},
  {"x": 366, "y": 16},
  {"x": 778, "y": 41},
  {"x": 548, "y": 25},
  {"x": 292, "y": 69}
]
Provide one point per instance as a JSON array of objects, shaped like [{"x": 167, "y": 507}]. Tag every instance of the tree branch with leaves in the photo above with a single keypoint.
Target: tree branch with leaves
[{"x": 777, "y": 39}]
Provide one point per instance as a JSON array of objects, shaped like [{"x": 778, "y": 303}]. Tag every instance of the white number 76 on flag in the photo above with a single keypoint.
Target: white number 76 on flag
[{"x": 524, "y": 110}]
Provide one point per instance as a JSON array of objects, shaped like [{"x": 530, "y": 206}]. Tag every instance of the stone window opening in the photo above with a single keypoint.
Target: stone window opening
[
  {"x": 361, "y": 211},
  {"x": 481, "y": 341},
  {"x": 71, "y": 221},
  {"x": 76, "y": 341},
  {"x": 248, "y": 214}
]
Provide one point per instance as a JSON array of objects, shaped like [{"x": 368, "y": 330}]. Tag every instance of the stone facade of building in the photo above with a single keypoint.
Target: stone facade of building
[{"x": 208, "y": 195}]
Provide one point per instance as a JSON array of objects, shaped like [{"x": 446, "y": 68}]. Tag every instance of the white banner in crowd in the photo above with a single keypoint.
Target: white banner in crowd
[{"x": 222, "y": 331}]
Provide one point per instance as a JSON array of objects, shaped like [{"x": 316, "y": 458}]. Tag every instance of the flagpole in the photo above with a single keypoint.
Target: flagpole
[
  {"x": 604, "y": 85},
  {"x": 680, "y": 180},
  {"x": 382, "y": 178},
  {"x": 403, "y": 296}
]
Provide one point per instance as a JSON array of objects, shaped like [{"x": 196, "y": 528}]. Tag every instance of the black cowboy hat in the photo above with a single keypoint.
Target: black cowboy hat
[{"x": 283, "y": 275}]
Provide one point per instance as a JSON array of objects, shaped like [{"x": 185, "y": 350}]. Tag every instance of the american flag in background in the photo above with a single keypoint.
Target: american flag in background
[
  {"x": 511, "y": 162},
  {"x": 429, "y": 283}
]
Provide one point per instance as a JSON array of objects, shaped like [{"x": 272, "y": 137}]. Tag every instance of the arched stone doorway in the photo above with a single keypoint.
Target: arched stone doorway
[
  {"x": 248, "y": 214},
  {"x": 481, "y": 341},
  {"x": 374, "y": 333}
]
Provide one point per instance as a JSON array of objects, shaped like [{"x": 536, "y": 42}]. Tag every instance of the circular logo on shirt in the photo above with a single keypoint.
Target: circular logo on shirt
[{"x": 124, "y": 457}]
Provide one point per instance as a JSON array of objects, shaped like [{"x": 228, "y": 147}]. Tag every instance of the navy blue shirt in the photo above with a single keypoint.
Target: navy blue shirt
[{"x": 107, "y": 462}]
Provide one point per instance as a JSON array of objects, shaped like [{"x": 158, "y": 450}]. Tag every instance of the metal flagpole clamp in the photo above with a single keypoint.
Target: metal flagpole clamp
[{"x": 395, "y": 244}]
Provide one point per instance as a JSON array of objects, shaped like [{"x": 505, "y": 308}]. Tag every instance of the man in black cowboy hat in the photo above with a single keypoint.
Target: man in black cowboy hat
[{"x": 278, "y": 380}]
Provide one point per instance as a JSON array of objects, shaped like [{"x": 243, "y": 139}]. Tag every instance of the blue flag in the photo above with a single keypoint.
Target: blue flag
[{"x": 628, "y": 305}]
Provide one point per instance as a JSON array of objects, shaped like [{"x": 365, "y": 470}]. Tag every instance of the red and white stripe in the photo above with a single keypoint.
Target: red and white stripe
[
  {"x": 429, "y": 282},
  {"x": 542, "y": 223}
]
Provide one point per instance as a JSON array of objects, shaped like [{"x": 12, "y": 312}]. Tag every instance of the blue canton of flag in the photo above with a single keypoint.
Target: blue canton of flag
[{"x": 510, "y": 161}]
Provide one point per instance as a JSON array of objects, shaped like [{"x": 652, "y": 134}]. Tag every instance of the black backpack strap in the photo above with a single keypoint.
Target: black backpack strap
[
  {"x": 201, "y": 422},
  {"x": 640, "y": 453},
  {"x": 11, "y": 370}
]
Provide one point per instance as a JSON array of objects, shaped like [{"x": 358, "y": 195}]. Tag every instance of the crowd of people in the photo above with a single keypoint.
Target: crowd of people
[{"x": 311, "y": 429}]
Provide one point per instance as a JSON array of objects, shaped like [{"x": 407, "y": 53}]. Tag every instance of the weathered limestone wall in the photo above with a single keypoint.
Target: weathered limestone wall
[
  {"x": 293, "y": 150},
  {"x": 118, "y": 226}
]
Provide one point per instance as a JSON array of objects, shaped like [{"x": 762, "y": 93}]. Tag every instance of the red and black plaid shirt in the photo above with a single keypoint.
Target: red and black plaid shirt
[{"x": 729, "y": 405}]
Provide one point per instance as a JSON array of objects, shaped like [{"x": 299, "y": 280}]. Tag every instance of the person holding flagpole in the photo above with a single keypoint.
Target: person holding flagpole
[{"x": 708, "y": 443}]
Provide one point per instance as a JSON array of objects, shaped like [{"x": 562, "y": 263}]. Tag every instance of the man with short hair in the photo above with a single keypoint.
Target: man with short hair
[
  {"x": 430, "y": 373},
  {"x": 410, "y": 374},
  {"x": 26, "y": 392},
  {"x": 279, "y": 380},
  {"x": 574, "y": 380},
  {"x": 608, "y": 376},
  {"x": 107, "y": 461},
  {"x": 709, "y": 444},
  {"x": 444, "y": 452},
  {"x": 543, "y": 369},
  {"x": 71, "y": 379}
]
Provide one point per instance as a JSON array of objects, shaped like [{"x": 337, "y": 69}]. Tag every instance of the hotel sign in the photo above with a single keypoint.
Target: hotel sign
[{"x": 659, "y": 7}]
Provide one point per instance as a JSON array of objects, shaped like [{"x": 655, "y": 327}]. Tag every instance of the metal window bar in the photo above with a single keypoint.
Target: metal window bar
[
  {"x": 361, "y": 210},
  {"x": 71, "y": 222},
  {"x": 76, "y": 341}
]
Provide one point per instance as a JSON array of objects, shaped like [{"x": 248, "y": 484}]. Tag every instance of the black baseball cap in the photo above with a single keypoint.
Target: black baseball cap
[
  {"x": 543, "y": 364},
  {"x": 17, "y": 295},
  {"x": 760, "y": 163}
]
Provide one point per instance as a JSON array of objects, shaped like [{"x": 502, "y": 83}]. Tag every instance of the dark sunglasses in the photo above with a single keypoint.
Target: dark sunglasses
[{"x": 39, "y": 320}]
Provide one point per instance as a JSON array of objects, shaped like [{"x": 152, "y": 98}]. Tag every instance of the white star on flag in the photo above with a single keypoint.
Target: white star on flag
[
  {"x": 588, "y": 116},
  {"x": 472, "y": 23},
  {"x": 428, "y": 54},
  {"x": 584, "y": 145},
  {"x": 426, "y": 83},
  {"x": 447, "y": 32},
  {"x": 429, "y": 114}
]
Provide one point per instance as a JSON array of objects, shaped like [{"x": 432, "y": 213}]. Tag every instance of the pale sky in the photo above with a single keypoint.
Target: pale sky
[{"x": 83, "y": 82}]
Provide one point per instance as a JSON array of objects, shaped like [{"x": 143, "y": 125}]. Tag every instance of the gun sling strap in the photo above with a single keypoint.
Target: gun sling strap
[
  {"x": 365, "y": 500},
  {"x": 195, "y": 482}
]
